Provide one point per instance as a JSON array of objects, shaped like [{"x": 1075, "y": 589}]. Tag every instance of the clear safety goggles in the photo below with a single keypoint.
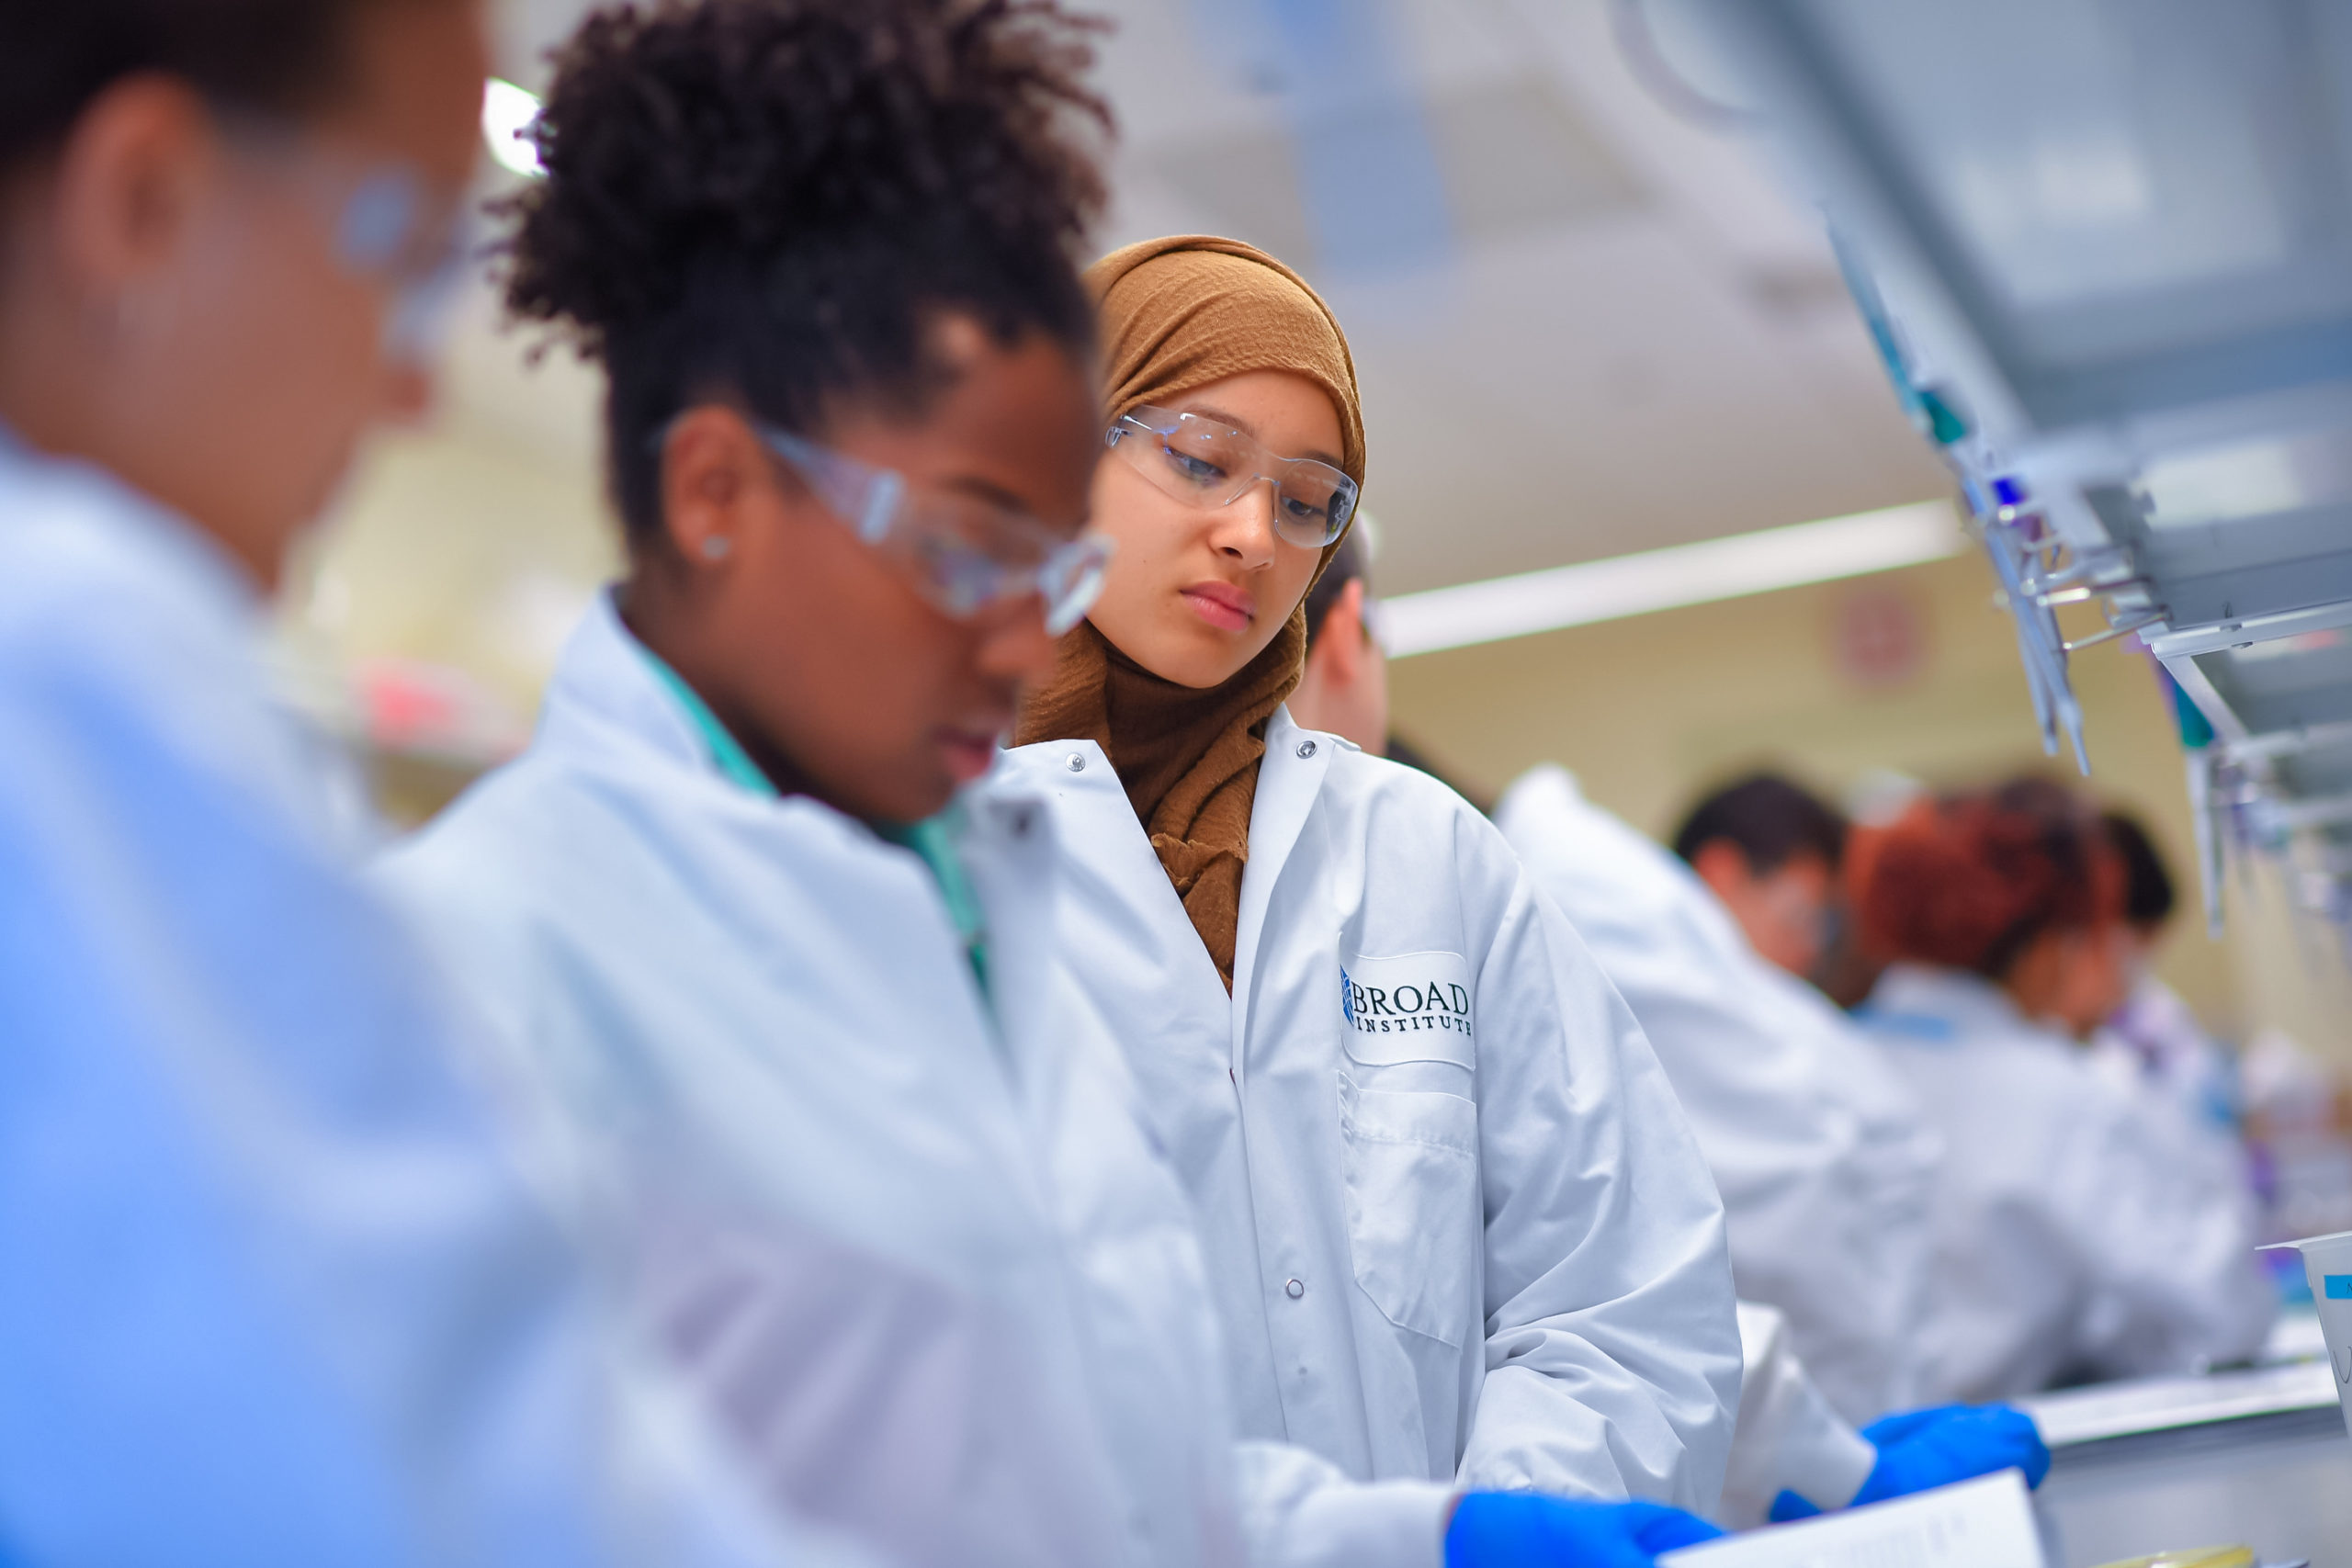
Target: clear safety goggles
[
  {"x": 387, "y": 225},
  {"x": 1199, "y": 460},
  {"x": 391, "y": 228},
  {"x": 962, "y": 553}
]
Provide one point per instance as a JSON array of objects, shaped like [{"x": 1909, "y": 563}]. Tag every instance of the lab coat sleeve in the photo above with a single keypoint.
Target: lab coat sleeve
[
  {"x": 1612, "y": 1356},
  {"x": 2175, "y": 1282},
  {"x": 1788, "y": 1437},
  {"x": 275, "y": 1290},
  {"x": 1787, "y": 1161},
  {"x": 1298, "y": 1510}
]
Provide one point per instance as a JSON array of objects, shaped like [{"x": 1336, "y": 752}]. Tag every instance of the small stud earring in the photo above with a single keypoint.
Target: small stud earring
[{"x": 716, "y": 547}]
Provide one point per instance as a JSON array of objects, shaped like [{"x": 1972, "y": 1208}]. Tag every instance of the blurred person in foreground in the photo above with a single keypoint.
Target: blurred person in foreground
[
  {"x": 1825, "y": 1160},
  {"x": 2070, "y": 1244},
  {"x": 275, "y": 1290}
]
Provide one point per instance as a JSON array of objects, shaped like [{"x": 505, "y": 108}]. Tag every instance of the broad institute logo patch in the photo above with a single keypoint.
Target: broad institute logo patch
[{"x": 1419, "y": 993}]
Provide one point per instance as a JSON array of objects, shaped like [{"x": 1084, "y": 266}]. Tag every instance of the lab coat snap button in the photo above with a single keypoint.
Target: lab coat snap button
[
  {"x": 1307, "y": 748},
  {"x": 1077, "y": 764},
  {"x": 1295, "y": 1288}
]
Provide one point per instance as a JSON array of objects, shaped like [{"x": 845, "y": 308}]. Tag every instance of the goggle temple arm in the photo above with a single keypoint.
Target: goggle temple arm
[
  {"x": 884, "y": 488},
  {"x": 1072, "y": 580},
  {"x": 868, "y": 499}
]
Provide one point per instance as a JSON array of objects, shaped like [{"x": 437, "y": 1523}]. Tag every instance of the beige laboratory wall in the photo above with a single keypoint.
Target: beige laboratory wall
[{"x": 1913, "y": 670}]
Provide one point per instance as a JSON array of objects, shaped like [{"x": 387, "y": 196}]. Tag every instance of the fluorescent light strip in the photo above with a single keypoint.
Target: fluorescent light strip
[{"x": 1668, "y": 578}]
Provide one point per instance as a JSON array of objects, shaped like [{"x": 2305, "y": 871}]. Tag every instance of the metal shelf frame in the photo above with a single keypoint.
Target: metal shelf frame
[{"x": 2062, "y": 422}]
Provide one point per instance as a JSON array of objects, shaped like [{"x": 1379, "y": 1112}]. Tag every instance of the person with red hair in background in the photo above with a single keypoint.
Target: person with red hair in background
[{"x": 2066, "y": 1247}]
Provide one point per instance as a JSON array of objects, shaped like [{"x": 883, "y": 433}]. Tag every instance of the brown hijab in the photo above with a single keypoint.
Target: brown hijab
[{"x": 1176, "y": 314}]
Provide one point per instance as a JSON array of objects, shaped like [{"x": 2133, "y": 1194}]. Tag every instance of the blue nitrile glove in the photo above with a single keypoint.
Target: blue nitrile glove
[
  {"x": 1528, "y": 1529},
  {"x": 1920, "y": 1449}
]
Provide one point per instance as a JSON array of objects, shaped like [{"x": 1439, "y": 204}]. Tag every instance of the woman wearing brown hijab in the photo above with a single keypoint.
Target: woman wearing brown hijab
[{"x": 1455, "y": 1224}]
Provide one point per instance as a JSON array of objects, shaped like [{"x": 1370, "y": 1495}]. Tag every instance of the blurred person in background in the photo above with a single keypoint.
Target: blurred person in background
[
  {"x": 1456, "y": 1225},
  {"x": 1825, "y": 1161},
  {"x": 2070, "y": 1244},
  {"x": 1768, "y": 850},
  {"x": 2154, "y": 1050},
  {"x": 2154, "y": 1041},
  {"x": 275, "y": 1288},
  {"x": 737, "y": 909}
]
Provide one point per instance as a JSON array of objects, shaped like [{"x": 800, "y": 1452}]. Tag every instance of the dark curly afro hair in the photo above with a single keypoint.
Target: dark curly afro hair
[{"x": 770, "y": 201}]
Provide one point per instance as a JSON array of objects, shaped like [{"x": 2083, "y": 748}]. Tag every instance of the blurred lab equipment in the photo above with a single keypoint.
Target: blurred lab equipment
[
  {"x": 2327, "y": 1265},
  {"x": 2257, "y": 1455},
  {"x": 2301, "y": 1136},
  {"x": 2101, "y": 246}
]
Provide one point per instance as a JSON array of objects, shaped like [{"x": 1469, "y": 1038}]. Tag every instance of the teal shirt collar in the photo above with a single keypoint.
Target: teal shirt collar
[
  {"x": 726, "y": 752},
  {"x": 934, "y": 840}
]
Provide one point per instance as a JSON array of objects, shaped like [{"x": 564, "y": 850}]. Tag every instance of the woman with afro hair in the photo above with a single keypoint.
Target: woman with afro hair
[
  {"x": 775, "y": 981},
  {"x": 2064, "y": 1247}
]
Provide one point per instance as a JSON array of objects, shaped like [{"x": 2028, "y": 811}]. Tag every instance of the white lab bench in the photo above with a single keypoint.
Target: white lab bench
[{"x": 2258, "y": 1457}]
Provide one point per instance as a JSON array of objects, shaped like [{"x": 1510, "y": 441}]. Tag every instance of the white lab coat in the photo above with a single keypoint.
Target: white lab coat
[
  {"x": 2184, "y": 1084},
  {"x": 1788, "y": 1438},
  {"x": 925, "y": 1263},
  {"x": 1825, "y": 1160},
  {"x": 274, "y": 1288},
  {"x": 1455, "y": 1224},
  {"x": 2067, "y": 1242}
]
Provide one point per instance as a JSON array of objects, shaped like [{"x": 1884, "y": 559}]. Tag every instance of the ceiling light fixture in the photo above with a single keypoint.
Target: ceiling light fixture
[
  {"x": 508, "y": 112},
  {"x": 1669, "y": 579}
]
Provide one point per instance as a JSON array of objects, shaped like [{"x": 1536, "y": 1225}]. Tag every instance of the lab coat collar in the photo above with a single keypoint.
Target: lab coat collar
[
  {"x": 605, "y": 697},
  {"x": 1931, "y": 1002},
  {"x": 1288, "y": 781},
  {"x": 1097, "y": 819}
]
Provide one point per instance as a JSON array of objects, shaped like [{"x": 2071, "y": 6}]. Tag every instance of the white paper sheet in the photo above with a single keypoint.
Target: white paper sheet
[{"x": 1985, "y": 1523}]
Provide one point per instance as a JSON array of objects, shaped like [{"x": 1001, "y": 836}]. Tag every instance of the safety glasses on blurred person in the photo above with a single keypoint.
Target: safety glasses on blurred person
[
  {"x": 1198, "y": 460},
  {"x": 388, "y": 228},
  {"x": 963, "y": 554}
]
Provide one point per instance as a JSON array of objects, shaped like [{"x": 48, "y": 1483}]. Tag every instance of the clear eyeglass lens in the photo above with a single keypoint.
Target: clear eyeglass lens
[
  {"x": 1209, "y": 465},
  {"x": 968, "y": 556},
  {"x": 379, "y": 220}
]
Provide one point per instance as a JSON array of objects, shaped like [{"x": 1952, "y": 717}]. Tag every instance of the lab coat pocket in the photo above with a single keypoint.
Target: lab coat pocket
[{"x": 1411, "y": 1163}]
